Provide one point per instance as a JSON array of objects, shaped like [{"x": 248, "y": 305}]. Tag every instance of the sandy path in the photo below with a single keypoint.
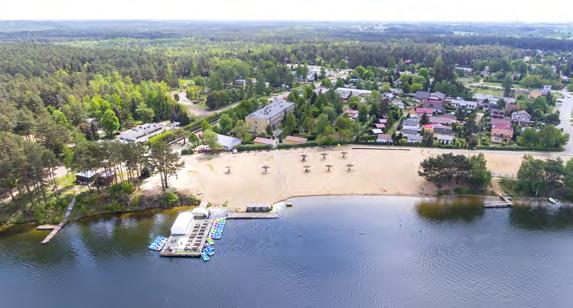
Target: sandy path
[{"x": 392, "y": 171}]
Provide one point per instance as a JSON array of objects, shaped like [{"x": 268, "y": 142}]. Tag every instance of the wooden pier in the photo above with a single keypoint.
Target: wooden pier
[
  {"x": 253, "y": 215},
  {"x": 189, "y": 245},
  {"x": 504, "y": 202},
  {"x": 59, "y": 227}
]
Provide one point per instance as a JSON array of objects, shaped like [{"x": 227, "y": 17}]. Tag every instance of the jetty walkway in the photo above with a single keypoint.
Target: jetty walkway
[{"x": 57, "y": 228}]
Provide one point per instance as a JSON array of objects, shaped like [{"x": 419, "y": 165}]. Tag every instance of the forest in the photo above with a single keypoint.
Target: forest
[{"x": 62, "y": 91}]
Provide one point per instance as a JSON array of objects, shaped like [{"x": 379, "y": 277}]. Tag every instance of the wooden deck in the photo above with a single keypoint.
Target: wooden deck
[
  {"x": 253, "y": 215},
  {"x": 46, "y": 227},
  {"x": 62, "y": 224},
  {"x": 503, "y": 202},
  {"x": 193, "y": 242}
]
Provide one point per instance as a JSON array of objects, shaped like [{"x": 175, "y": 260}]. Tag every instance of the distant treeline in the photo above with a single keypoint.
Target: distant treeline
[{"x": 518, "y": 36}]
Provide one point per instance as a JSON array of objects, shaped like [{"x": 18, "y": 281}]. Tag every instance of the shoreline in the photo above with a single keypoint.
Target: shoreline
[{"x": 373, "y": 172}]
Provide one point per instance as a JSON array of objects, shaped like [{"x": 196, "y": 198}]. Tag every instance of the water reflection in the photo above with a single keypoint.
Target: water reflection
[
  {"x": 541, "y": 217},
  {"x": 459, "y": 208}
]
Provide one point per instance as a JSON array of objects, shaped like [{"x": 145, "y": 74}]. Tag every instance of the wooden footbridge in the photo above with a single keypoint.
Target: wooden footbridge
[{"x": 57, "y": 228}]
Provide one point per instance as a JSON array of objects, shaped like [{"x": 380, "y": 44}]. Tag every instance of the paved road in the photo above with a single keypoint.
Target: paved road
[{"x": 565, "y": 115}]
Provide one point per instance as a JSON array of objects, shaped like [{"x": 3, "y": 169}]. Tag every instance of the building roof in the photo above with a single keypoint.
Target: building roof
[
  {"x": 352, "y": 113},
  {"x": 384, "y": 137},
  {"x": 501, "y": 124},
  {"x": 439, "y": 95},
  {"x": 423, "y": 94},
  {"x": 261, "y": 140},
  {"x": 377, "y": 131},
  {"x": 443, "y": 119},
  {"x": 141, "y": 131},
  {"x": 295, "y": 140},
  {"x": 347, "y": 92},
  {"x": 276, "y": 107},
  {"x": 427, "y": 111},
  {"x": 228, "y": 142}
]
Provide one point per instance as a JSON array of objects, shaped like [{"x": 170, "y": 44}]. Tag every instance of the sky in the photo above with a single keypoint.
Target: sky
[{"x": 295, "y": 10}]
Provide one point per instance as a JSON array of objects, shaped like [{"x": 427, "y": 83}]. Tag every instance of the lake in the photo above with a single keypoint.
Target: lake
[{"x": 322, "y": 252}]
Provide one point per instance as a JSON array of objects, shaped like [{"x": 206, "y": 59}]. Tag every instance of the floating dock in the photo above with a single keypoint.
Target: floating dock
[
  {"x": 253, "y": 215},
  {"x": 191, "y": 244}
]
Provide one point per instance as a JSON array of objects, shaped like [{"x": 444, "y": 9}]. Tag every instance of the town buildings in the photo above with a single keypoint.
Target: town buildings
[{"x": 270, "y": 115}]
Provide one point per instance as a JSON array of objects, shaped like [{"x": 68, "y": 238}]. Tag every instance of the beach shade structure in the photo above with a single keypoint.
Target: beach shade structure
[
  {"x": 228, "y": 170},
  {"x": 303, "y": 157},
  {"x": 266, "y": 168},
  {"x": 344, "y": 153},
  {"x": 349, "y": 166},
  {"x": 306, "y": 168},
  {"x": 328, "y": 168},
  {"x": 324, "y": 155}
]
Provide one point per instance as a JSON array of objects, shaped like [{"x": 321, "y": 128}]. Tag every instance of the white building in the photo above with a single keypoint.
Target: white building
[
  {"x": 346, "y": 93},
  {"x": 143, "y": 132},
  {"x": 227, "y": 142},
  {"x": 182, "y": 224}
]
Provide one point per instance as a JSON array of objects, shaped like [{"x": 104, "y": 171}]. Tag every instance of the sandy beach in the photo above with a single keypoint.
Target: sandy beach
[{"x": 376, "y": 171}]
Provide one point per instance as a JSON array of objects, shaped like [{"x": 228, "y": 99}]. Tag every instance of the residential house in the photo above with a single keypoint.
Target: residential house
[
  {"x": 413, "y": 138},
  {"x": 522, "y": 118},
  {"x": 446, "y": 119},
  {"x": 351, "y": 113},
  {"x": 546, "y": 90},
  {"x": 420, "y": 111},
  {"x": 438, "y": 95},
  {"x": 497, "y": 113},
  {"x": 501, "y": 130},
  {"x": 347, "y": 93},
  {"x": 428, "y": 128},
  {"x": 443, "y": 130},
  {"x": 411, "y": 124},
  {"x": 384, "y": 138},
  {"x": 423, "y": 95},
  {"x": 463, "y": 104},
  {"x": 270, "y": 115},
  {"x": 376, "y": 131},
  {"x": 445, "y": 139},
  {"x": 437, "y": 105},
  {"x": 380, "y": 125}
]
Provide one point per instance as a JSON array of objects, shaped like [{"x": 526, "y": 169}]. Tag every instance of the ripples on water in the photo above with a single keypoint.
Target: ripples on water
[{"x": 323, "y": 252}]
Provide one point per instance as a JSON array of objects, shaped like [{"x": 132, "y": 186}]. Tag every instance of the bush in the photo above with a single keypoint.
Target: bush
[
  {"x": 187, "y": 151},
  {"x": 125, "y": 188},
  {"x": 254, "y": 147},
  {"x": 171, "y": 199}
]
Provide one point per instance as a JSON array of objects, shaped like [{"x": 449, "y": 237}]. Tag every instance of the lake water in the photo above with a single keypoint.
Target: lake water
[{"x": 322, "y": 252}]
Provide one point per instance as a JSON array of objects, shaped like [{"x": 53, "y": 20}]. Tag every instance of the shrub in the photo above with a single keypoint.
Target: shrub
[{"x": 171, "y": 199}]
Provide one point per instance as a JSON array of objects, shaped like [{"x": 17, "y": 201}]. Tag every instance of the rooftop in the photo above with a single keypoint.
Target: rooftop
[{"x": 276, "y": 107}]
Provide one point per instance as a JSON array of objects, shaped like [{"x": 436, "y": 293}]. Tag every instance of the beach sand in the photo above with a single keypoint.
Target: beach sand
[{"x": 376, "y": 171}]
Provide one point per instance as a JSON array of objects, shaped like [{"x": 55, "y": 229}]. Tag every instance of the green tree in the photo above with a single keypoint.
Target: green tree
[
  {"x": 479, "y": 176},
  {"x": 109, "y": 122},
  {"x": 225, "y": 124},
  {"x": 165, "y": 161},
  {"x": 507, "y": 84},
  {"x": 531, "y": 177}
]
